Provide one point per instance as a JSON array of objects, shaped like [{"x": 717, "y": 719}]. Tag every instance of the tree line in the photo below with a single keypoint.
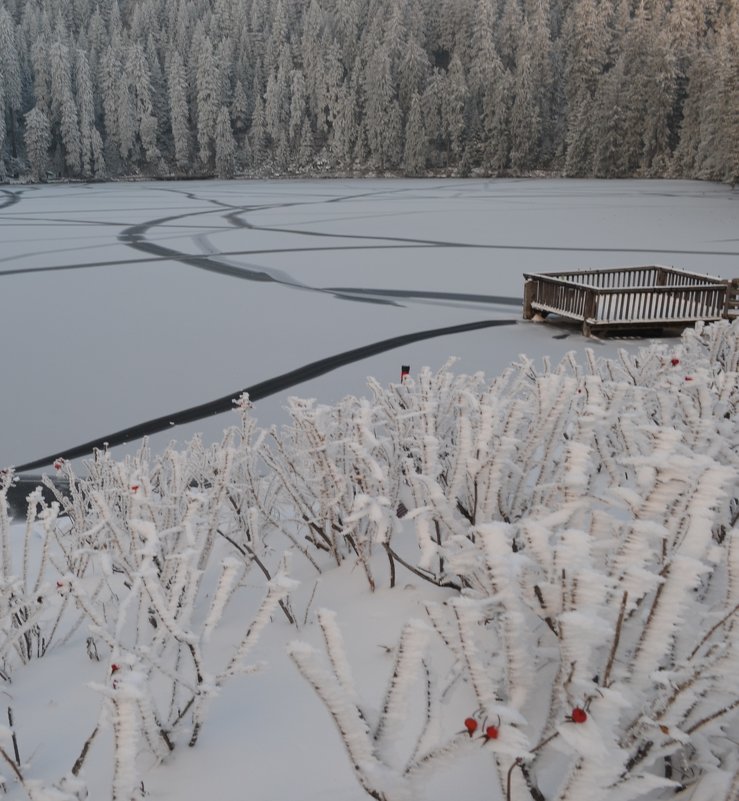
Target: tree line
[{"x": 607, "y": 88}]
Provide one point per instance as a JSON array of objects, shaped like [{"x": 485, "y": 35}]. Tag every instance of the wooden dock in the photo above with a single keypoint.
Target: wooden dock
[{"x": 627, "y": 298}]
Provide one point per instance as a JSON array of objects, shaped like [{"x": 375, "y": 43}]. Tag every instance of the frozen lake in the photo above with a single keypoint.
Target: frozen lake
[{"x": 124, "y": 302}]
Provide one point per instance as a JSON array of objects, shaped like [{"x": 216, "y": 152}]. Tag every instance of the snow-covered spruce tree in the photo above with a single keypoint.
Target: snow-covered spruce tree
[
  {"x": 344, "y": 126},
  {"x": 64, "y": 117},
  {"x": 453, "y": 107},
  {"x": 11, "y": 79},
  {"x": 2, "y": 127},
  {"x": 110, "y": 72},
  {"x": 138, "y": 77},
  {"x": 38, "y": 141},
  {"x": 257, "y": 137},
  {"x": 382, "y": 120},
  {"x": 225, "y": 145},
  {"x": 91, "y": 143},
  {"x": 299, "y": 125},
  {"x": 584, "y": 47},
  {"x": 728, "y": 61},
  {"x": 526, "y": 122},
  {"x": 208, "y": 100},
  {"x": 414, "y": 156},
  {"x": 588, "y": 513},
  {"x": 178, "y": 107}
]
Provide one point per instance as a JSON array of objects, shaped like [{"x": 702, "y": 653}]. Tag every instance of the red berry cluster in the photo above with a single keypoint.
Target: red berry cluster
[
  {"x": 491, "y": 732},
  {"x": 674, "y": 361}
]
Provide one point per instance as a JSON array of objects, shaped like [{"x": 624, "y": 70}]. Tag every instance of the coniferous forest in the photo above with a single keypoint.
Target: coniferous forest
[{"x": 110, "y": 88}]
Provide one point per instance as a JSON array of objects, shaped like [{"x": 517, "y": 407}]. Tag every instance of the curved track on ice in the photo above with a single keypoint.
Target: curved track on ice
[
  {"x": 256, "y": 392},
  {"x": 136, "y": 237}
]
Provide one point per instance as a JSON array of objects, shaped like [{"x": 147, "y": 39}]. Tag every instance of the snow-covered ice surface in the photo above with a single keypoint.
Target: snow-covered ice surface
[
  {"x": 107, "y": 324},
  {"x": 112, "y": 321}
]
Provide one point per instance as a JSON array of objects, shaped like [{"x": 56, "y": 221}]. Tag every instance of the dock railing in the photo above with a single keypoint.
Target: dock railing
[{"x": 629, "y": 297}]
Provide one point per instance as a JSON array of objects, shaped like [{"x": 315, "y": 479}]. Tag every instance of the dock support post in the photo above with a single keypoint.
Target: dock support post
[
  {"x": 529, "y": 292},
  {"x": 589, "y": 311},
  {"x": 731, "y": 299}
]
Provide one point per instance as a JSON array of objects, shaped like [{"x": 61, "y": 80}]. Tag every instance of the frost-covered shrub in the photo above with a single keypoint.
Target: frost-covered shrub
[
  {"x": 580, "y": 518},
  {"x": 588, "y": 516},
  {"x": 339, "y": 476},
  {"x": 145, "y": 558}
]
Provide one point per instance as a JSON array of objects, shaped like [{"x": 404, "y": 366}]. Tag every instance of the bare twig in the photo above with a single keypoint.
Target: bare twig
[
  {"x": 721, "y": 622},
  {"x": 534, "y": 791},
  {"x": 548, "y": 620},
  {"x": 508, "y": 780},
  {"x": 392, "y": 565},
  {"x": 80, "y": 761},
  {"x": 421, "y": 574},
  {"x": 248, "y": 551},
  {"x": 310, "y": 601},
  {"x": 12, "y": 764},
  {"x": 14, "y": 738},
  {"x": 183, "y": 711},
  {"x": 616, "y": 639},
  {"x": 641, "y": 753},
  {"x": 717, "y": 714},
  {"x": 544, "y": 742}
]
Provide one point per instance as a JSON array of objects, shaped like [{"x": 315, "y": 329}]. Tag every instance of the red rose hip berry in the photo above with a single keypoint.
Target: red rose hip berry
[{"x": 491, "y": 733}]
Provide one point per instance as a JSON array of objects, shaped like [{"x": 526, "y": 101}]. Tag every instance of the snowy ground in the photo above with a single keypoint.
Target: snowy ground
[
  {"x": 107, "y": 324},
  {"x": 110, "y": 320}
]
